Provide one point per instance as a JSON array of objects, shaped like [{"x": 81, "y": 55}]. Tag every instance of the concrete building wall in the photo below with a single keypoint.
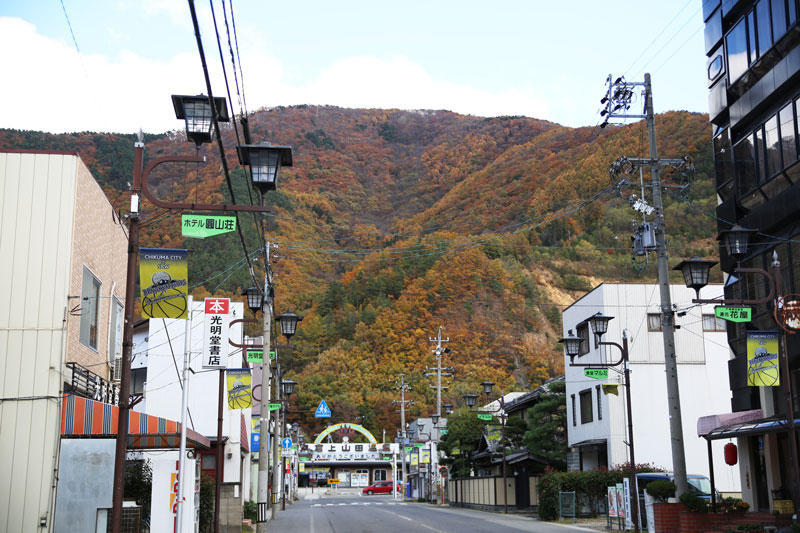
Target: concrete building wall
[
  {"x": 85, "y": 483},
  {"x": 101, "y": 246},
  {"x": 702, "y": 374}
]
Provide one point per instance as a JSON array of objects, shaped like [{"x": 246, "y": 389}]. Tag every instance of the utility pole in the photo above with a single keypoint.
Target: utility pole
[
  {"x": 403, "y": 435},
  {"x": 266, "y": 376},
  {"x": 438, "y": 369},
  {"x": 617, "y": 102}
]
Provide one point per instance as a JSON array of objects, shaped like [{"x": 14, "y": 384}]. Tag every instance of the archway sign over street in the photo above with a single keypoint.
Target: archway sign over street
[{"x": 356, "y": 427}]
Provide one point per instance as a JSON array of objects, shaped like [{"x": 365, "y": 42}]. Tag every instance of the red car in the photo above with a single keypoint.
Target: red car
[{"x": 380, "y": 487}]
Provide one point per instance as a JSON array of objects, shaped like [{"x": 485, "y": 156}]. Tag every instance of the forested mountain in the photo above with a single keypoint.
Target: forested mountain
[{"x": 392, "y": 223}]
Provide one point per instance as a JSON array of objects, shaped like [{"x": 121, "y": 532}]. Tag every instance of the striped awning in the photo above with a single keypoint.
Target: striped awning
[{"x": 85, "y": 418}]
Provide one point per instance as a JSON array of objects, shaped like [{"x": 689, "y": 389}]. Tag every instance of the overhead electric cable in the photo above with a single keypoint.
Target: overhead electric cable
[{"x": 219, "y": 136}]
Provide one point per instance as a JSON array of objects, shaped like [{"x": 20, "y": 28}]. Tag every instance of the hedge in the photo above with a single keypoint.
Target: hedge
[{"x": 591, "y": 487}]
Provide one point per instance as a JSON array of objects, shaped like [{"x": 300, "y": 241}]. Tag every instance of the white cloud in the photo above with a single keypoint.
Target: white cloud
[{"x": 48, "y": 86}]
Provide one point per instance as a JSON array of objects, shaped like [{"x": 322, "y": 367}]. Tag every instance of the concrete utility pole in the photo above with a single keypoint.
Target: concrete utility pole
[
  {"x": 617, "y": 103},
  {"x": 266, "y": 375},
  {"x": 438, "y": 369},
  {"x": 403, "y": 435}
]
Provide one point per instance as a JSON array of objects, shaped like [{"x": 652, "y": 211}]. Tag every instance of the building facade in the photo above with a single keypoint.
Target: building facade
[
  {"x": 62, "y": 284},
  {"x": 753, "y": 55},
  {"x": 597, "y": 421}
]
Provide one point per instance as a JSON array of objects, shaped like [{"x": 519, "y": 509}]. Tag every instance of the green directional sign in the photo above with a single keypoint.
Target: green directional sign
[
  {"x": 484, "y": 416},
  {"x": 596, "y": 373},
  {"x": 274, "y": 406},
  {"x": 257, "y": 356},
  {"x": 408, "y": 448},
  {"x": 443, "y": 431},
  {"x": 202, "y": 226},
  {"x": 733, "y": 314}
]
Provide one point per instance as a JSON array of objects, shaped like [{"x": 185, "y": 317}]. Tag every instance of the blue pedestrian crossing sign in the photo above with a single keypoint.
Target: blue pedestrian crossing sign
[
  {"x": 286, "y": 443},
  {"x": 323, "y": 411}
]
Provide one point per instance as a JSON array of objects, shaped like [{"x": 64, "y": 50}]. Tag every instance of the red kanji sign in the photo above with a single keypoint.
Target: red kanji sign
[{"x": 217, "y": 306}]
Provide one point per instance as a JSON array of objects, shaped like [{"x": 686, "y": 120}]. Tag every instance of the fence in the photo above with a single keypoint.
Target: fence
[{"x": 487, "y": 492}]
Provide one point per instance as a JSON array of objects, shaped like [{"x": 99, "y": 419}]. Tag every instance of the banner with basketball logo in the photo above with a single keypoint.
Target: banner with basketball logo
[
  {"x": 239, "y": 392},
  {"x": 164, "y": 282}
]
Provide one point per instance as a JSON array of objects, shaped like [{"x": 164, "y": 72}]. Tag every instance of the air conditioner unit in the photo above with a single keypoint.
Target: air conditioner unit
[{"x": 116, "y": 370}]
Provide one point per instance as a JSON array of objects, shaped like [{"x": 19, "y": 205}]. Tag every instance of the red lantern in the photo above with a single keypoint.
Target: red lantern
[{"x": 731, "y": 454}]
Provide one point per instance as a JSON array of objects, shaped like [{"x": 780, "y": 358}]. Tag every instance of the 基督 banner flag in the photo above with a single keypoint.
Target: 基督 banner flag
[
  {"x": 164, "y": 282},
  {"x": 762, "y": 359},
  {"x": 239, "y": 393}
]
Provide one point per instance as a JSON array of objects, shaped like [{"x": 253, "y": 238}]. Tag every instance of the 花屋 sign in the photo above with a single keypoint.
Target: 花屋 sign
[
  {"x": 257, "y": 355},
  {"x": 484, "y": 416},
  {"x": 202, "y": 226},
  {"x": 733, "y": 314},
  {"x": 215, "y": 332},
  {"x": 596, "y": 373}
]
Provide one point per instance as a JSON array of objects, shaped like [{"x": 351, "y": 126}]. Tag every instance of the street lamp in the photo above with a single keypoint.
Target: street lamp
[
  {"x": 288, "y": 323},
  {"x": 435, "y": 419},
  {"x": 288, "y": 386},
  {"x": 487, "y": 387},
  {"x": 255, "y": 299},
  {"x": 599, "y": 324},
  {"x": 265, "y": 161},
  {"x": 695, "y": 272},
  {"x": 736, "y": 240},
  {"x": 470, "y": 399},
  {"x": 196, "y": 111},
  {"x": 448, "y": 408}
]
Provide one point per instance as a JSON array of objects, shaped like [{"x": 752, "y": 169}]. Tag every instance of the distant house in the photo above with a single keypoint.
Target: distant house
[
  {"x": 597, "y": 422},
  {"x": 62, "y": 282}
]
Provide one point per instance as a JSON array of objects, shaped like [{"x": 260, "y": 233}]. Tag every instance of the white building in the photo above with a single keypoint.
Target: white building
[
  {"x": 597, "y": 422},
  {"x": 158, "y": 353}
]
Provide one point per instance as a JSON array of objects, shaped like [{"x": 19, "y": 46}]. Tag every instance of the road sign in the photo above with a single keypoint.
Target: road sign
[
  {"x": 274, "y": 406},
  {"x": 286, "y": 443},
  {"x": 202, "y": 226},
  {"x": 733, "y": 314},
  {"x": 596, "y": 373},
  {"x": 484, "y": 416},
  {"x": 323, "y": 411},
  {"x": 257, "y": 355},
  {"x": 333, "y": 481}
]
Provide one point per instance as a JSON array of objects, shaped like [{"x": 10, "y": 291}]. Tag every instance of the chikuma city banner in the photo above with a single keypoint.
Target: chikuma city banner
[{"x": 164, "y": 281}]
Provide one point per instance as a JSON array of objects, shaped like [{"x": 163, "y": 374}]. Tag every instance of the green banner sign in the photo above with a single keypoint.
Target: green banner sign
[
  {"x": 257, "y": 356},
  {"x": 733, "y": 314},
  {"x": 202, "y": 226},
  {"x": 443, "y": 431},
  {"x": 596, "y": 373},
  {"x": 484, "y": 416},
  {"x": 274, "y": 406},
  {"x": 408, "y": 448}
]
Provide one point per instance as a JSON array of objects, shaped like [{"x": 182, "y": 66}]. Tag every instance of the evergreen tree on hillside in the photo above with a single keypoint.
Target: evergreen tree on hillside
[{"x": 547, "y": 426}]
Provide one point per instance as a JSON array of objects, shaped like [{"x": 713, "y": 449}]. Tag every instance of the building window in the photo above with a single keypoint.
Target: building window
[
  {"x": 583, "y": 334},
  {"x": 723, "y": 164},
  {"x": 90, "y": 298},
  {"x": 788, "y": 146},
  {"x": 599, "y": 403},
  {"x": 138, "y": 378},
  {"x": 586, "y": 406},
  {"x": 736, "y": 48},
  {"x": 574, "y": 418},
  {"x": 712, "y": 323},
  {"x": 745, "y": 165},
  {"x": 653, "y": 321},
  {"x": 379, "y": 474},
  {"x": 778, "y": 19},
  {"x": 772, "y": 149},
  {"x": 763, "y": 24}
]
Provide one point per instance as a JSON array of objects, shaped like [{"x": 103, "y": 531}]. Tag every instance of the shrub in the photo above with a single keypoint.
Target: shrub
[
  {"x": 661, "y": 489},
  {"x": 694, "y": 503},
  {"x": 590, "y": 487},
  {"x": 251, "y": 511}
]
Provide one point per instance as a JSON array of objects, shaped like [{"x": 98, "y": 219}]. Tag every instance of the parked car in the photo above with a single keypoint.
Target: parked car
[
  {"x": 380, "y": 487},
  {"x": 698, "y": 484}
]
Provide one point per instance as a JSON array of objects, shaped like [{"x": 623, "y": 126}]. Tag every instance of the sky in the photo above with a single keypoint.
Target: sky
[{"x": 111, "y": 65}]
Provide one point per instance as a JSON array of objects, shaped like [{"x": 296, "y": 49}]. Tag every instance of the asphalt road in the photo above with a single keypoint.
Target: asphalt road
[{"x": 357, "y": 514}]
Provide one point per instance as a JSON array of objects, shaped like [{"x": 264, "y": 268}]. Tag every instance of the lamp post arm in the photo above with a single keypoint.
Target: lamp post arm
[
  {"x": 734, "y": 301},
  {"x": 187, "y": 206},
  {"x": 596, "y": 365}
]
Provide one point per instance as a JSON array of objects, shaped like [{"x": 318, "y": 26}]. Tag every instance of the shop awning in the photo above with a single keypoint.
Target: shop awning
[{"x": 85, "y": 418}]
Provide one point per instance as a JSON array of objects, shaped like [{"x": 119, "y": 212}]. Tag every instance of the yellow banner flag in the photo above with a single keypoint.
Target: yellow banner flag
[
  {"x": 239, "y": 393},
  {"x": 762, "y": 359},
  {"x": 164, "y": 282}
]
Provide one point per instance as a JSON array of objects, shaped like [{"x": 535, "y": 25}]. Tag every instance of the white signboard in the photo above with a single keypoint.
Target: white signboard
[{"x": 215, "y": 332}]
